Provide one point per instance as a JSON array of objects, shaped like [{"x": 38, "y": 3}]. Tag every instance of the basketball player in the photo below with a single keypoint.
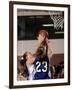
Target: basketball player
[
  {"x": 29, "y": 66},
  {"x": 42, "y": 60}
]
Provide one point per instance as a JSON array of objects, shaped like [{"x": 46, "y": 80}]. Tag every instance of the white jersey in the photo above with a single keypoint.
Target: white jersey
[{"x": 31, "y": 70}]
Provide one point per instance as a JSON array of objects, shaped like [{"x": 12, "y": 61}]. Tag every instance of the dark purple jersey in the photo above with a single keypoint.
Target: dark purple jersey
[{"x": 41, "y": 67}]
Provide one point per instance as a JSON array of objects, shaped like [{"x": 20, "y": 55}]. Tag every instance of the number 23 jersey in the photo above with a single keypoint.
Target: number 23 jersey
[{"x": 41, "y": 68}]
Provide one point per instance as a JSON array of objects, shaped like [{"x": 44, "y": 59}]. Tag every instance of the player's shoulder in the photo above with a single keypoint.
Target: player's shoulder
[
  {"x": 46, "y": 58},
  {"x": 36, "y": 59}
]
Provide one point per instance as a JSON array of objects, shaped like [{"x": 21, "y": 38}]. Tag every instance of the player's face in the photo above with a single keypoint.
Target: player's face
[
  {"x": 29, "y": 57},
  {"x": 41, "y": 38}
]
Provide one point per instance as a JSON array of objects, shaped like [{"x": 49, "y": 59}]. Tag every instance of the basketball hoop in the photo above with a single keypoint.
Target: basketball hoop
[{"x": 58, "y": 19}]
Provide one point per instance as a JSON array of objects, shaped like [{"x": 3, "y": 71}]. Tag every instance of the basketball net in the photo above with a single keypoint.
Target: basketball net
[{"x": 58, "y": 19}]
